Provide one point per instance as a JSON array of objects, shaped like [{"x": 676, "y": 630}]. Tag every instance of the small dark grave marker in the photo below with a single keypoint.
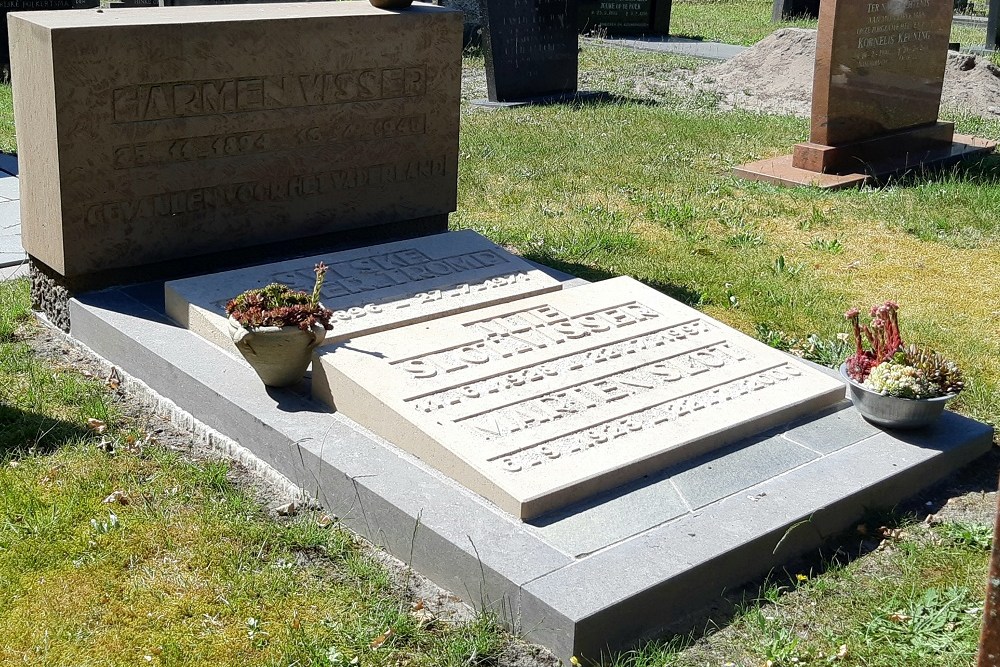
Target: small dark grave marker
[
  {"x": 624, "y": 17},
  {"x": 786, "y": 10},
  {"x": 531, "y": 49},
  {"x": 993, "y": 26},
  {"x": 7, "y": 6}
]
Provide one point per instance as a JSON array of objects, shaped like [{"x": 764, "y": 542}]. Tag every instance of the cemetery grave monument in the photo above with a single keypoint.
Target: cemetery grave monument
[
  {"x": 624, "y": 17},
  {"x": 876, "y": 95},
  {"x": 531, "y": 49},
  {"x": 595, "y": 459},
  {"x": 8, "y": 6},
  {"x": 787, "y": 10}
]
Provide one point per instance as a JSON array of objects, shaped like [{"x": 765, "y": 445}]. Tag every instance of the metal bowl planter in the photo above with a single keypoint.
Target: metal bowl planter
[{"x": 891, "y": 411}]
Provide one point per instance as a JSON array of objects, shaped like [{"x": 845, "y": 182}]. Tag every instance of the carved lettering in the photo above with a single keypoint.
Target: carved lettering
[{"x": 179, "y": 99}]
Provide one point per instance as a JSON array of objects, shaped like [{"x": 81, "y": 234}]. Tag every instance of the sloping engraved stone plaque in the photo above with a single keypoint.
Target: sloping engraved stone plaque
[
  {"x": 544, "y": 401},
  {"x": 374, "y": 288}
]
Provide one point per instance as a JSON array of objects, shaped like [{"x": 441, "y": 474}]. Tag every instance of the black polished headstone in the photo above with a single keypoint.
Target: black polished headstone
[
  {"x": 531, "y": 49},
  {"x": 785, "y": 10},
  {"x": 993, "y": 26},
  {"x": 7, "y": 6},
  {"x": 624, "y": 17}
]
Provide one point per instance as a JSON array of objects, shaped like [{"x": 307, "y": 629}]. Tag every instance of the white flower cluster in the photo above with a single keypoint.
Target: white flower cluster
[{"x": 899, "y": 380}]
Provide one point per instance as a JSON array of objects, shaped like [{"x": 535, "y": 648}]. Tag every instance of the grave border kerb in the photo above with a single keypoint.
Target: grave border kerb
[{"x": 494, "y": 561}]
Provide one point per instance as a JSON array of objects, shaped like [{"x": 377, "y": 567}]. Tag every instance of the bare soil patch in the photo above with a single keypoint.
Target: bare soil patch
[{"x": 775, "y": 76}]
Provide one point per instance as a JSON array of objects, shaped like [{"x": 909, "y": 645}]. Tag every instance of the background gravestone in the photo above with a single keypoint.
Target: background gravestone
[
  {"x": 879, "y": 67},
  {"x": 624, "y": 17},
  {"x": 7, "y": 6},
  {"x": 876, "y": 95},
  {"x": 993, "y": 26},
  {"x": 339, "y": 124},
  {"x": 531, "y": 49},
  {"x": 786, "y": 10}
]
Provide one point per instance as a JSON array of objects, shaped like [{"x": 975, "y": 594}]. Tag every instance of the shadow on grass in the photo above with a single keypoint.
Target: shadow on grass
[
  {"x": 979, "y": 171},
  {"x": 681, "y": 293},
  {"x": 23, "y": 432}
]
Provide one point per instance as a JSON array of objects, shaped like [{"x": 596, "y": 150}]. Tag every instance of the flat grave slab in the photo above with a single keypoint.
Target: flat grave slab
[
  {"x": 546, "y": 401},
  {"x": 374, "y": 288}
]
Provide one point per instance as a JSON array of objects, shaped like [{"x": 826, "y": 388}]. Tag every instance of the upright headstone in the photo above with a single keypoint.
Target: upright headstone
[
  {"x": 786, "y": 10},
  {"x": 624, "y": 17},
  {"x": 531, "y": 49},
  {"x": 876, "y": 92},
  {"x": 7, "y": 6},
  {"x": 297, "y": 122},
  {"x": 993, "y": 26}
]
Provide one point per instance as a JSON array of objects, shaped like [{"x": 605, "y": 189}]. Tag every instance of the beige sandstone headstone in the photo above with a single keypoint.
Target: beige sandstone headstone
[
  {"x": 374, "y": 288},
  {"x": 540, "y": 402},
  {"x": 152, "y": 134}
]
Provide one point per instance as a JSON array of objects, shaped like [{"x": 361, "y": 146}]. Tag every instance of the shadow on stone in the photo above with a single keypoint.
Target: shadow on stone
[{"x": 681, "y": 293}]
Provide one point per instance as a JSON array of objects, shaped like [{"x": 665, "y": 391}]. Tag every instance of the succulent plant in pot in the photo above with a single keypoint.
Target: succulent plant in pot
[
  {"x": 891, "y": 383},
  {"x": 276, "y": 328}
]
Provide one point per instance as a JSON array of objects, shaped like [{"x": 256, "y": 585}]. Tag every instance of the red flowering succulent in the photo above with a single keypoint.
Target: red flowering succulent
[{"x": 882, "y": 335}]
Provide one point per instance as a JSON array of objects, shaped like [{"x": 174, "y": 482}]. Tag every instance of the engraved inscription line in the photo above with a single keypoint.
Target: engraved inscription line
[
  {"x": 574, "y": 399},
  {"x": 664, "y": 342},
  {"x": 205, "y": 97},
  {"x": 196, "y": 200},
  {"x": 259, "y": 142},
  {"x": 648, "y": 418},
  {"x": 533, "y": 328}
]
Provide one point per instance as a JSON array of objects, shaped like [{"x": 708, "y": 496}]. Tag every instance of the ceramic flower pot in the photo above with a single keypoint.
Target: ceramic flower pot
[
  {"x": 280, "y": 355},
  {"x": 890, "y": 411},
  {"x": 391, "y": 4}
]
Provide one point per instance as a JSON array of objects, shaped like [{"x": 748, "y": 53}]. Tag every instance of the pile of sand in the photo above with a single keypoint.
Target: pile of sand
[{"x": 775, "y": 76}]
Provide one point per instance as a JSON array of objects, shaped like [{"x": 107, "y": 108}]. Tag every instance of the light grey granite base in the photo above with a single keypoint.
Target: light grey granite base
[{"x": 598, "y": 576}]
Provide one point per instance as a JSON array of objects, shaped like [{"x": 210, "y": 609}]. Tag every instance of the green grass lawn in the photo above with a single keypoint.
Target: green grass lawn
[
  {"x": 747, "y": 22},
  {"x": 646, "y": 190},
  {"x": 8, "y": 143},
  {"x": 186, "y": 568}
]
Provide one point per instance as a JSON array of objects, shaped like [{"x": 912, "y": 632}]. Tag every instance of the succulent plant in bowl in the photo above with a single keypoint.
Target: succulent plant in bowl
[
  {"x": 891, "y": 383},
  {"x": 276, "y": 328}
]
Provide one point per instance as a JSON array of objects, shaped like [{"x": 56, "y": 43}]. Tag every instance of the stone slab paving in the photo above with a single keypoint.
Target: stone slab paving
[
  {"x": 675, "y": 45},
  {"x": 14, "y": 271},
  {"x": 625, "y": 565},
  {"x": 11, "y": 252}
]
